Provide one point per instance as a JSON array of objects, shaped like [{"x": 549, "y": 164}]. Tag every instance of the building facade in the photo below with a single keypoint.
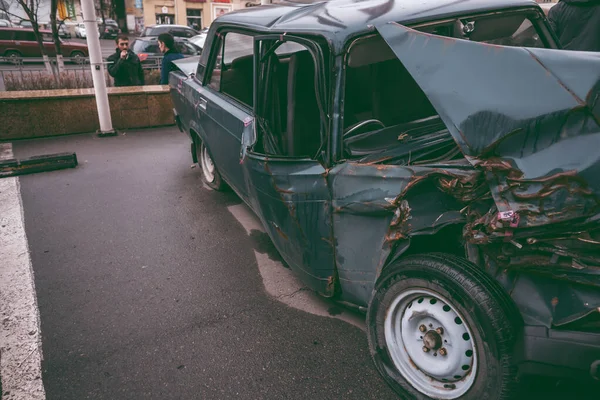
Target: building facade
[{"x": 196, "y": 14}]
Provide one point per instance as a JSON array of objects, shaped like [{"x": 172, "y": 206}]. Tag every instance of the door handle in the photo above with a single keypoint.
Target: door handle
[{"x": 202, "y": 103}]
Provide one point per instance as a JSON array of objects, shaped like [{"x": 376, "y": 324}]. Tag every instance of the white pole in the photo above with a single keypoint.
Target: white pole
[
  {"x": 264, "y": 2},
  {"x": 98, "y": 74}
]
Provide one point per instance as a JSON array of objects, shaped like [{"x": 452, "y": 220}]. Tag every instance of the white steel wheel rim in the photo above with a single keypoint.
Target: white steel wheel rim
[
  {"x": 208, "y": 167},
  {"x": 436, "y": 375}
]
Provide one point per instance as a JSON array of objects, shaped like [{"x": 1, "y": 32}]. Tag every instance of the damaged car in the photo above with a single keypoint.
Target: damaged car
[{"x": 433, "y": 163}]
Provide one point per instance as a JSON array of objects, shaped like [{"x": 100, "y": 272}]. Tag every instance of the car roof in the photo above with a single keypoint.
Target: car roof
[
  {"x": 155, "y": 38},
  {"x": 168, "y": 26},
  {"x": 340, "y": 19},
  {"x": 15, "y": 29}
]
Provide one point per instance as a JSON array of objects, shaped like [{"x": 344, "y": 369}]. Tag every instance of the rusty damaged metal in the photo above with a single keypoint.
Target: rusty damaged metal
[{"x": 508, "y": 170}]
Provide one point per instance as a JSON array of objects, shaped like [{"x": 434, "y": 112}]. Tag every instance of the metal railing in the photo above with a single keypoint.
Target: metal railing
[
  {"x": 33, "y": 74},
  {"x": 150, "y": 62}
]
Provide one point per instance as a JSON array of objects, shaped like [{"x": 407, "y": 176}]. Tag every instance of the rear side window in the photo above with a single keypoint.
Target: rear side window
[
  {"x": 233, "y": 74},
  {"x": 25, "y": 36},
  {"x": 236, "y": 46},
  {"x": 180, "y": 32},
  {"x": 142, "y": 46}
]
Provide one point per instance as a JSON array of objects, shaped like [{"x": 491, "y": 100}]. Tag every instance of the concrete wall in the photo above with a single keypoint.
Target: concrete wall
[{"x": 39, "y": 113}]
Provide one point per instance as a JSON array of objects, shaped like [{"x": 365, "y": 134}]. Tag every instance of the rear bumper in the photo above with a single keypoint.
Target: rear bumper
[{"x": 560, "y": 353}]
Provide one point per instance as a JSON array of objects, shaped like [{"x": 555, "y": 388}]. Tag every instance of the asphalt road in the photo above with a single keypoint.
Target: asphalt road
[{"x": 148, "y": 287}]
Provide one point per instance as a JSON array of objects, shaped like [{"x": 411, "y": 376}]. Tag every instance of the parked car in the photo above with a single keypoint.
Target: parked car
[
  {"x": 4, "y": 23},
  {"x": 405, "y": 163},
  {"x": 109, "y": 29},
  {"x": 16, "y": 43},
  {"x": 24, "y": 24},
  {"x": 175, "y": 30},
  {"x": 199, "y": 39},
  {"x": 147, "y": 49},
  {"x": 63, "y": 32},
  {"x": 80, "y": 31}
]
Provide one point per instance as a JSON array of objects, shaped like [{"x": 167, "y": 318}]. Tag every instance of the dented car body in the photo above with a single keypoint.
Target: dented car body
[{"x": 384, "y": 131}]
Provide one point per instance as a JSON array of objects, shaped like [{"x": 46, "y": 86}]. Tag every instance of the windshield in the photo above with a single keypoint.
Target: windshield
[
  {"x": 150, "y": 31},
  {"x": 509, "y": 29}
]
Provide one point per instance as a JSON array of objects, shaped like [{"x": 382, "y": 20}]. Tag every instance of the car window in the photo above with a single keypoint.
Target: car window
[
  {"x": 178, "y": 32},
  {"x": 6, "y": 35},
  {"x": 236, "y": 46},
  {"x": 233, "y": 74},
  {"x": 383, "y": 120},
  {"x": 25, "y": 36},
  {"x": 187, "y": 48},
  {"x": 46, "y": 37},
  {"x": 152, "y": 31},
  {"x": 142, "y": 46}
]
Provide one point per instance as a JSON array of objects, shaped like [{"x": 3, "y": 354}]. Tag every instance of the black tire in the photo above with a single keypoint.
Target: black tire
[
  {"x": 13, "y": 56},
  {"x": 487, "y": 311},
  {"x": 211, "y": 178},
  {"x": 77, "y": 57}
]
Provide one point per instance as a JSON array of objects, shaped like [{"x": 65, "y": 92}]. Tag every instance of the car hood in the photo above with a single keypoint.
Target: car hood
[
  {"x": 529, "y": 118},
  {"x": 188, "y": 65}
]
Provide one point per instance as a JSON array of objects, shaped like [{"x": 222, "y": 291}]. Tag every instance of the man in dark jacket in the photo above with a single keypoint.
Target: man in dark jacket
[
  {"x": 124, "y": 65},
  {"x": 577, "y": 24},
  {"x": 166, "y": 44}
]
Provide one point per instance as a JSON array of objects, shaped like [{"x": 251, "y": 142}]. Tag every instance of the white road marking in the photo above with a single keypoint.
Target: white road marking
[
  {"x": 20, "y": 338},
  {"x": 281, "y": 283}
]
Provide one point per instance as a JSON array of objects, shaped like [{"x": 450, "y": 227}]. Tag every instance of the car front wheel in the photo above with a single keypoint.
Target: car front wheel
[
  {"x": 441, "y": 328},
  {"x": 210, "y": 174},
  {"x": 77, "y": 57}
]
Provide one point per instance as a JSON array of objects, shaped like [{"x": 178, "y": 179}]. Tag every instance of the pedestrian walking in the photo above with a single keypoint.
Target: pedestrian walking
[
  {"x": 166, "y": 44},
  {"x": 577, "y": 24},
  {"x": 124, "y": 65}
]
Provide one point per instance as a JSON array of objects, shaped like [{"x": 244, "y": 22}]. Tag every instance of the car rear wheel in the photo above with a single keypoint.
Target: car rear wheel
[
  {"x": 441, "y": 328},
  {"x": 13, "y": 56},
  {"x": 210, "y": 174}
]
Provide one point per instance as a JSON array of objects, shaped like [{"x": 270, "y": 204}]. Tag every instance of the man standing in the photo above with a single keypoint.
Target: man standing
[
  {"x": 166, "y": 44},
  {"x": 124, "y": 65},
  {"x": 577, "y": 24}
]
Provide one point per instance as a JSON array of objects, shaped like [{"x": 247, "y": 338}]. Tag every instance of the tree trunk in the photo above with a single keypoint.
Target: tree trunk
[
  {"x": 55, "y": 37},
  {"x": 34, "y": 24}
]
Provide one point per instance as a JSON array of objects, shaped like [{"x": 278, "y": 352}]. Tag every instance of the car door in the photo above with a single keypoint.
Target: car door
[
  {"x": 48, "y": 43},
  {"x": 288, "y": 189},
  {"x": 26, "y": 44},
  {"x": 225, "y": 104}
]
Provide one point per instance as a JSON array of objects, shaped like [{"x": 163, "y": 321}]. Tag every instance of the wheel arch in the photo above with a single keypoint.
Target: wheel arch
[{"x": 447, "y": 240}]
